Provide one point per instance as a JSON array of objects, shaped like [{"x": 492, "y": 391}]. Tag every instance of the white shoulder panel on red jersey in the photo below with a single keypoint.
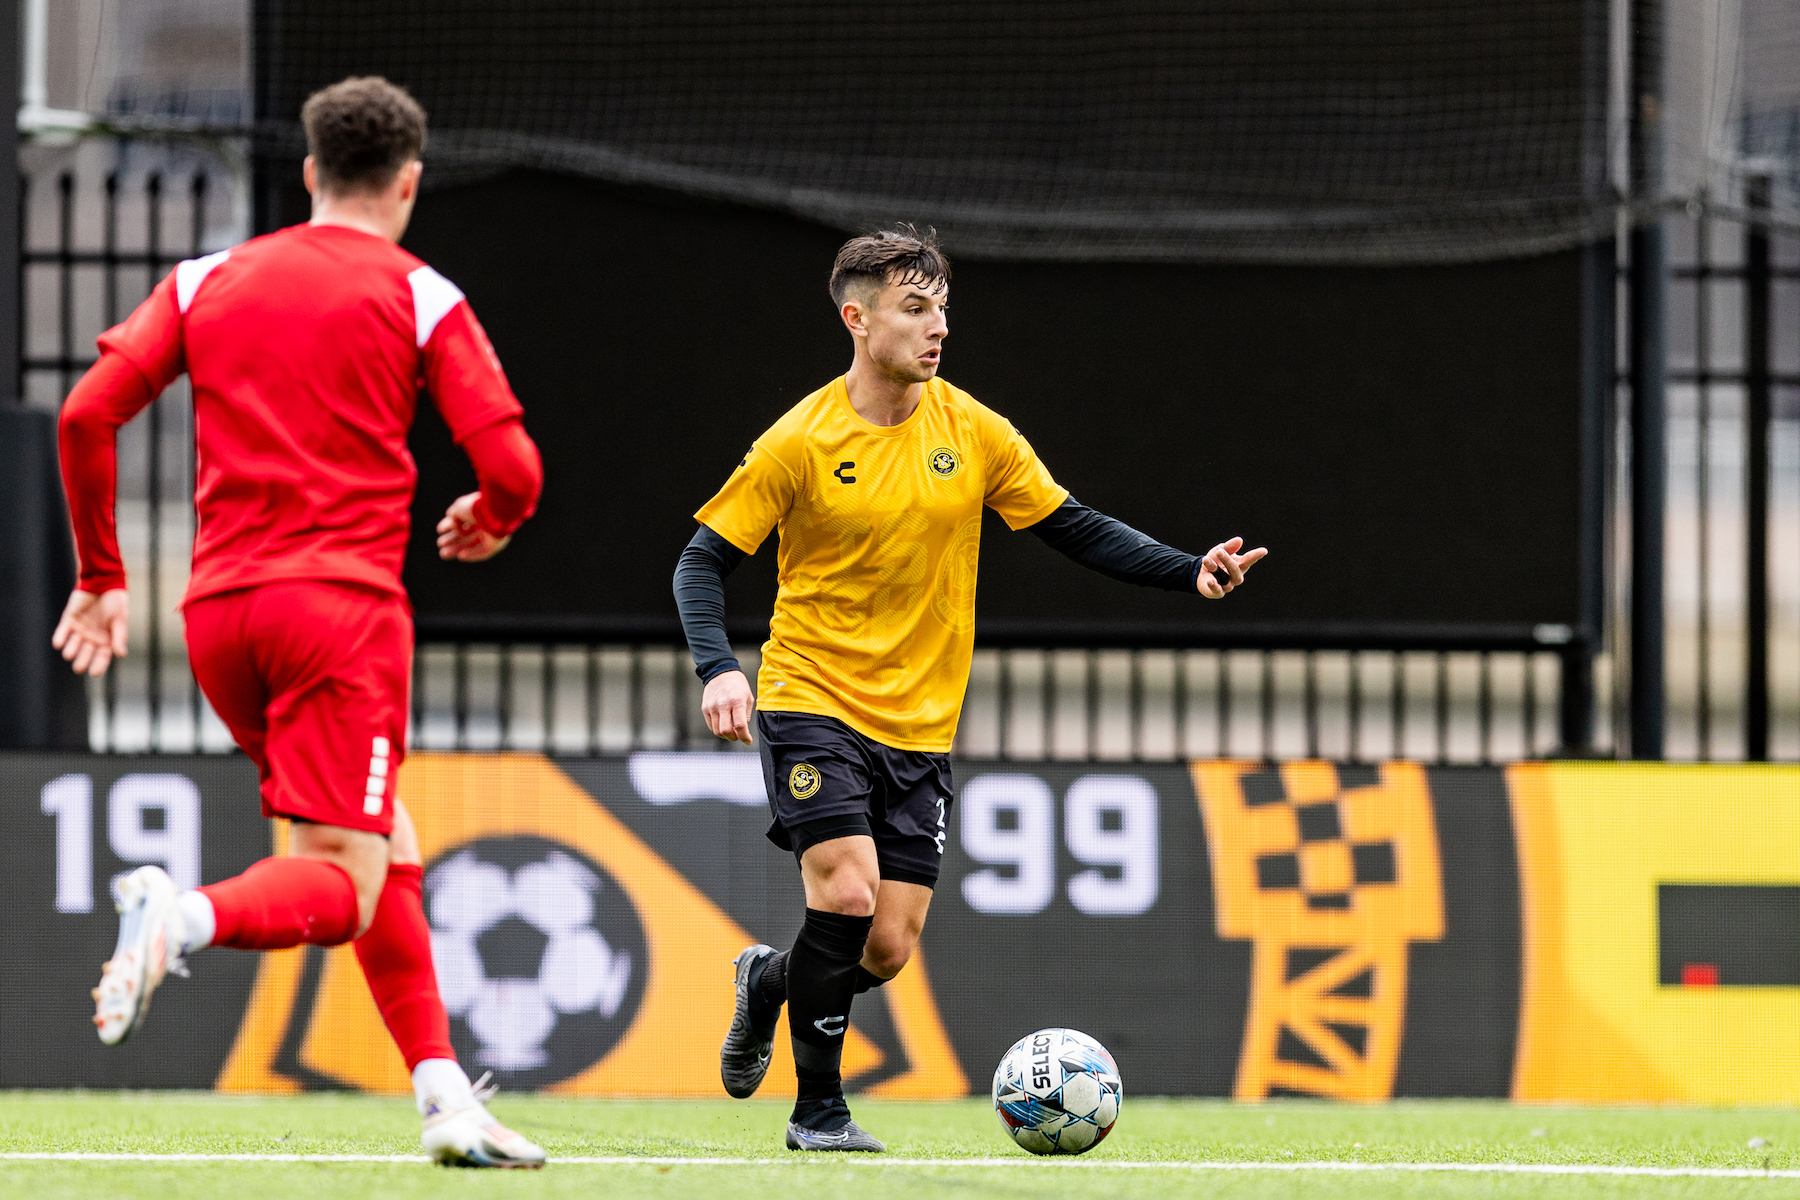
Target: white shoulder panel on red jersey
[
  {"x": 190, "y": 273},
  {"x": 433, "y": 298}
]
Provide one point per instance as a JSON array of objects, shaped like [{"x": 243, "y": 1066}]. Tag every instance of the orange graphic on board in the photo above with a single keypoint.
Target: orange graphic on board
[
  {"x": 308, "y": 1017},
  {"x": 1330, "y": 884}
]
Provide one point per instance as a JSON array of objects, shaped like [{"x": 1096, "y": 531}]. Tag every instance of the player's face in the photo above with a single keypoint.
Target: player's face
[{"x": 907, "y": 327}]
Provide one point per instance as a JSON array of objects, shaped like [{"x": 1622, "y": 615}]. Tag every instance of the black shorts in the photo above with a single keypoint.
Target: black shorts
[{"x": 826, "y": 781}]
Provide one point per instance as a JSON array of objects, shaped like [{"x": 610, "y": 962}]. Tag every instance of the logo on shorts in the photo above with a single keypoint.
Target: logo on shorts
[
  {"x": 804, "y": 780},
  {"x": 945, "y": 462}
]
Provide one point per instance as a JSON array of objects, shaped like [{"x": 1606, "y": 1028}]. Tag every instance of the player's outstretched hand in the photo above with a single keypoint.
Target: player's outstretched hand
[
  {"x": 1225, "y": 557},
  {"x": 727, "y": 705},
  {"x": 92, "y": 630},
  {"x": 461, "y": 537}
]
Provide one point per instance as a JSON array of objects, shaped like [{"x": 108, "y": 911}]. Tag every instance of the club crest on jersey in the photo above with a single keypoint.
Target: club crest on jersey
[
  {"x": 945, "y": 462},
  {"x": 804, "y": 780}
]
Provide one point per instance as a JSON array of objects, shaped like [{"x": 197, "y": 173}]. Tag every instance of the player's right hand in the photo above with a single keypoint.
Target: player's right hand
[
  {"x": 727, "y": 705},
  {"x": 92, "y": 631},
  {"x": 1225, "y": 557},
  {"x": 461, "y": 537}
]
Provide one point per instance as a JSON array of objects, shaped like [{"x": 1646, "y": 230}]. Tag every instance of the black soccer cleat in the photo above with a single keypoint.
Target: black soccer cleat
[
  {"x": 744, "y": 1058},
  {"x": 850, "y": 1137}
]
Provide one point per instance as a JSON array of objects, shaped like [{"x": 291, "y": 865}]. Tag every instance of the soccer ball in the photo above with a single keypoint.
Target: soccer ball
[
  {"x": 513, "y": 1011},
  {"x": 1057, "y": 1092}
]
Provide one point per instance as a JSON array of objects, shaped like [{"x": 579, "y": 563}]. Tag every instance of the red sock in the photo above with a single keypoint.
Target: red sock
[
  {"x": 282, "y": 902},
  {"x": 396, "y": 960}
]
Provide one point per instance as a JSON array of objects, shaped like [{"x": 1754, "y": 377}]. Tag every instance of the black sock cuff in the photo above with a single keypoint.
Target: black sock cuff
[
  {"x": 837, "y": 937},
  {"x": 768, "y": 979}
]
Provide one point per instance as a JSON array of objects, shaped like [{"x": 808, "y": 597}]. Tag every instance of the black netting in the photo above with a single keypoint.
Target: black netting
[{"x": 1176, "y": 130}]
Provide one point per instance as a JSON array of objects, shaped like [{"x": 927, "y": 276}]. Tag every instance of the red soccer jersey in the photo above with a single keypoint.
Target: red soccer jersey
[{"x": 307, "y": 349}]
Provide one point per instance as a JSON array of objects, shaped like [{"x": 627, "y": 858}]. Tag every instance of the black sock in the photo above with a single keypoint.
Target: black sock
[
  {"x": 866, "y": 979},
  {"x": 821, "y": 978},
  {"x": 768, "y": 980}
]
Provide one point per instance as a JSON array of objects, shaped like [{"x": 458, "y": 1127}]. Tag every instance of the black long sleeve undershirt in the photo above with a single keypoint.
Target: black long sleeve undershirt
[
  {"x": 700, "y": 598},
  {"x": 1116, "y": 550},
  {"x": 1095, "y": 540}
]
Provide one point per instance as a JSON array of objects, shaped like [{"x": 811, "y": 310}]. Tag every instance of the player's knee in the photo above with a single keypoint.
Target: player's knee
[
  {"x": 403, "y": 842},
  {"x": 366, "y": 900},
  {"x": 848, "y": 893},
  {"x": 886, "y": 955}
]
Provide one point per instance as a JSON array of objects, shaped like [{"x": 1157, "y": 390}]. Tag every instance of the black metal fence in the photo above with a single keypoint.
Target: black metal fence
[
  {"x": 97, "y": 237},
  {"x": 94, "y": 242},
  {"x": 1732, "y": 603},
  {"x": 1103, "y": 691}
]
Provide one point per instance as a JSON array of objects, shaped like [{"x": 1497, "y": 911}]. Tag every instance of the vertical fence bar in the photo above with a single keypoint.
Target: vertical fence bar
[
  {"x": 1530, "y": 705},
  {"x": 503, "y": 718},
  {"x": 1268, "y": 705},
  {"x": 1649, "y": 380},
  {"x": 1003, "y": 703},
  {"x": 460, "y": 696},
  {"x": 417, "y": 706},
  {"x": 1442, "y": 705},
  {"x": 1310, "y": 703},
  {"x": 1091, "y": 685},
  {"x": 65, "y": 280},
  {"x": 1223, "y": 689},
  {"x": 110, "y": 263},
  {"x": 197, "y": 195},
  {"x": 636, "y": 716},
  {"x": 1397, "y": 703},
  {"x": 1484, "y": 707},
  {"x": 153, "y": 498},
  {"x": 1758, "y": 318},
  {"x": 1179, "y": 702},
  {"x": 591, "y": 669},
  {"x": 1703, "y": 483},
  {"x": 1136, "y": 732},
  {"x": 549, "y": 698},
  {"x": 683, "y": 731},
  {"x": 21, "y": 292},
  {"x": 1354, "y": 705}
]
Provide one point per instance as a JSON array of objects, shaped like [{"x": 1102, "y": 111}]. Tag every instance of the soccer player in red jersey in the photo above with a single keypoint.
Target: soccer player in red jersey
[{"x": 307, "y": 350}]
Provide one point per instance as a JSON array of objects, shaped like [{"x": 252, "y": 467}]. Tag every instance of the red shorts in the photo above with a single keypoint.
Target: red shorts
[{"x": 312, "y": 679}]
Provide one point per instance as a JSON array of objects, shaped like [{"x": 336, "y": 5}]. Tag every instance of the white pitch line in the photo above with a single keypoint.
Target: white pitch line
[{"x": 626, "y": 1160}]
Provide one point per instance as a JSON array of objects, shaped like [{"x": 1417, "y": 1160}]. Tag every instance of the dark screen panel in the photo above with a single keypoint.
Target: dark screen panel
[
  {"x": 1728, "y": 935},
  {"x": 1404, "y": 439}
]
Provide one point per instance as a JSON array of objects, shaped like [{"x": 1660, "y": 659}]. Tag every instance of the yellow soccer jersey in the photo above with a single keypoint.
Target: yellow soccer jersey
[{"x": 880, "y": 531}]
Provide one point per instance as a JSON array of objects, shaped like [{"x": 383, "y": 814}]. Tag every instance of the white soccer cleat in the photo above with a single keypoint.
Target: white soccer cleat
[
  {"x": 469, "y": 1136},
  {"x": 151, "y": 936}
]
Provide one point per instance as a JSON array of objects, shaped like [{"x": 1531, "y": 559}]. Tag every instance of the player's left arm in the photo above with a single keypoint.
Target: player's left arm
[
  {"x": 1116, "y": 550},
  {"x": 1022, "y": 491},
  {"x": 466, "y": 382}
]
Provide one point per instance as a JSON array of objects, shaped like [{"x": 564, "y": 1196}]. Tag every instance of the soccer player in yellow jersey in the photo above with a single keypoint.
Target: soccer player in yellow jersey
[{"x": 875, "y": 484}]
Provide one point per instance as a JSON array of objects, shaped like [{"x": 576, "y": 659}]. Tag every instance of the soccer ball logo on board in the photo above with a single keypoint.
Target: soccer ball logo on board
[{"x": 541, "y": 958}]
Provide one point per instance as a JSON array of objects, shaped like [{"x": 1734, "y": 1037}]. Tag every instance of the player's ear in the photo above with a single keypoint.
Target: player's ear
[
  {"x": 409, "y": 179},
  {"x": 855, "y": 317},
  {"x": 309, "y": 175}
]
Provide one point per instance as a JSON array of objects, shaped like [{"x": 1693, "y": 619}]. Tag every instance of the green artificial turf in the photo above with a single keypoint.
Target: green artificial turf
[{"x": 1150, "y": 1131}]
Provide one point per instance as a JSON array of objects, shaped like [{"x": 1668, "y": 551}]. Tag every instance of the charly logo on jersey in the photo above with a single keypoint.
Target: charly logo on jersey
[
  {"x": 804, "y": 780},
  {"x": 541, "y": 957},
  {"x": 945, "y": 462}
]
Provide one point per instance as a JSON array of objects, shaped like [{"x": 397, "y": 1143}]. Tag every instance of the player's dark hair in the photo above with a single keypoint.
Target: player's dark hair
[
  {"x": 898, "y": 255},
  {"x": 361, "y": 131}
]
